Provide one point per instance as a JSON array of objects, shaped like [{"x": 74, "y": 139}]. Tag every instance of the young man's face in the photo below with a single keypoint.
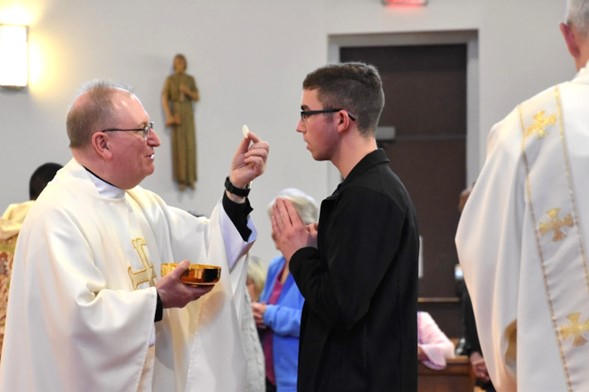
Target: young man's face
[{"x": 319, "y": 130}]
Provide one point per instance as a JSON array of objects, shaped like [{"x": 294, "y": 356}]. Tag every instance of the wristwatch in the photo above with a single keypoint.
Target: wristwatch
[{"x": 237, "y": 191}]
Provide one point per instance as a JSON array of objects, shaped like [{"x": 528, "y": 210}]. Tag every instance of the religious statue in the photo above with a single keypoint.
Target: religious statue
[{"x": 177, "y": 96}]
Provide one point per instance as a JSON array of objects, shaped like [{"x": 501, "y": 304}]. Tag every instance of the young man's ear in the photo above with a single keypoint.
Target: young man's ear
[{"x": 343, "y": 118}]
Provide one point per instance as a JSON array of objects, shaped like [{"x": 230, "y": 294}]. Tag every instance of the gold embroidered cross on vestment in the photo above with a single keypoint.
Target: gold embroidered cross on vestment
[
  {"x": 575, "y": 329},
  {"x": 146, "y": 274},
  {"x": 541, "y": 122},
  {"x": 554, "y": 223}
]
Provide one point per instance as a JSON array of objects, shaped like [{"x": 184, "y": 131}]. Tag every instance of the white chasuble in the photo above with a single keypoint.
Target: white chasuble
[
  {"x": 522, "y": 243},
  {"x": 81, "y": 317}
]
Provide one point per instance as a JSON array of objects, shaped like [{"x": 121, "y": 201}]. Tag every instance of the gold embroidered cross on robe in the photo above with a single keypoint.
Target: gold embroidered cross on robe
[{"x": 145, "y": 274}]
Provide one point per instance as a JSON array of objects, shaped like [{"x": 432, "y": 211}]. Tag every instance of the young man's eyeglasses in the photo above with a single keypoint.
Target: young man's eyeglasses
[
  {"x": 145, "y": 130},
  {"x": 305, "y": 114}
]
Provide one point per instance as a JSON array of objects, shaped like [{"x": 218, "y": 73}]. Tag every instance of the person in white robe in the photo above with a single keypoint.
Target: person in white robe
[
  {"x": 522, "y": 237},
  {"x": 10, "y": 224},
  {"x": 90, "y": 311}
]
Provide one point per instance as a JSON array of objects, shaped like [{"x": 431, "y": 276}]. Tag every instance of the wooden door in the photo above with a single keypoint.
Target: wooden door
[{"x": 425, "y": 94}]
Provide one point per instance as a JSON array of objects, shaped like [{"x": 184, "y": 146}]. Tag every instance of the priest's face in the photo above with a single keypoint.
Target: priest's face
[{"x": 133, "y": 152}]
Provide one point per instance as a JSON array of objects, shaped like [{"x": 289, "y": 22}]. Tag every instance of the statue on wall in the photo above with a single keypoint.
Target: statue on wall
[{"x": 178, "y": 94}]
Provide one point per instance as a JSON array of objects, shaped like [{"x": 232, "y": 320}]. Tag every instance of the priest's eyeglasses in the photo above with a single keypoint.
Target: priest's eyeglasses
[
  {"x": 305, "y": 114},
  {"x": 145, "y": 130}
]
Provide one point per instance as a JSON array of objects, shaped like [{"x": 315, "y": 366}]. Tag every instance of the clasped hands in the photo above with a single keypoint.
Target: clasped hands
[
  {"x": 258, "y": 310},
  {"x": 289, "y": 231}
]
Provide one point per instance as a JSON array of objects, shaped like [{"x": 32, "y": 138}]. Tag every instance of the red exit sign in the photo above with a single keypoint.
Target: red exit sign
[{"x": 405, "y": 2}]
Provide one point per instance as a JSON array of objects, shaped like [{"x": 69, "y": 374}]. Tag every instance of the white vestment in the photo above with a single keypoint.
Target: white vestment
[
  {"x": 82, "y": 302},
  {"x": 522, "y": 244}
]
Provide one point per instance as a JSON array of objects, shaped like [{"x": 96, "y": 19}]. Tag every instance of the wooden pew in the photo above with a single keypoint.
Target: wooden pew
[{"x": 456, "y": 377}]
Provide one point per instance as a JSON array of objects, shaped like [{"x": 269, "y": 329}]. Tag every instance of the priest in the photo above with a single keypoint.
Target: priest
[
  {"x": 522, "y": 237},
  {"x": 88, "y": 309}
]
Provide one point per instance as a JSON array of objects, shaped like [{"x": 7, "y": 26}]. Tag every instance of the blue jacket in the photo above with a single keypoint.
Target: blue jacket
[{"x": 284, "y": 319}]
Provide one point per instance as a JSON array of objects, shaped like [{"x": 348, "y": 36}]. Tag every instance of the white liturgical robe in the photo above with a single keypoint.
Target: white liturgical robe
[
  {"x": 82, "y": 302},
  {"x": 522, "y": 244}
]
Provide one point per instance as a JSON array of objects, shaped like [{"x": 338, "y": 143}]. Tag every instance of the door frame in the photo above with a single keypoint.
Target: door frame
[{"x": 474, "y": 149}]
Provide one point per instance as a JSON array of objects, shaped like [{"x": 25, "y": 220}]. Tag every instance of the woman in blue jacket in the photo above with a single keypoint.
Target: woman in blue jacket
[{"x": 278, "y": 312}]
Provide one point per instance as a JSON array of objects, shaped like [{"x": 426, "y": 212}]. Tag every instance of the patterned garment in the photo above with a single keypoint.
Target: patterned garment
[{"x": 10, "y": 225}]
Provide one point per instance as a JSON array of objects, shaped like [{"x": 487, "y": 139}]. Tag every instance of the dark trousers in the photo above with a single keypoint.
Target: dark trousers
[
  {"x": 269, "y": 386},
  {"x": 485, "y": 386}
]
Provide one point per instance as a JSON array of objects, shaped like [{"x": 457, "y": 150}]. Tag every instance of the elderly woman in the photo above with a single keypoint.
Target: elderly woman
[{"x": 278, "y": 312}]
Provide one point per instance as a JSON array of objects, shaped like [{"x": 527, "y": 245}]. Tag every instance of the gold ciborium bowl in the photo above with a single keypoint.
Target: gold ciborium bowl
[{"x": 196, "y": 274}]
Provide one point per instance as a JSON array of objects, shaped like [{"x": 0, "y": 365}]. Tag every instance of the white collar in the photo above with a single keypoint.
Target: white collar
[
  {"x": 106, "y": 189},
  {"x": 583, "y": 72}
]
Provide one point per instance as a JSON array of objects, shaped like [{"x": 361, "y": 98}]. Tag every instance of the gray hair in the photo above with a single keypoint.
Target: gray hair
[
  {"x": 305, "y": 205},
  {"x": 577, "y": 15},
  {"x": 92, "y": 110}
]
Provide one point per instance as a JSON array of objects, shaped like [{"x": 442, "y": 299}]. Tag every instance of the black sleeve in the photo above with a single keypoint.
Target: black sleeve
[
  {"x": 238, "y": 214},
  {"x": 159, "y": 309}
]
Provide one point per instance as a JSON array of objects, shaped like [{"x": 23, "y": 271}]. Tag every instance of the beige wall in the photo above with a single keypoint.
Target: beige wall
[{"x": 249, "y": 58}]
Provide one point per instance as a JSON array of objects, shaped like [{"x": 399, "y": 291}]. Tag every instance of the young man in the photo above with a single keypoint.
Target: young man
[
  {"x": 358, "y": 268},
  {"x": 88, "y": 310},
  {"x": 522, "y": 237}
]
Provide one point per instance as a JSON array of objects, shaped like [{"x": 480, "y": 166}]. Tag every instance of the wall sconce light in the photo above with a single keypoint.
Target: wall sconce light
[{"x": 14, "y": 56}]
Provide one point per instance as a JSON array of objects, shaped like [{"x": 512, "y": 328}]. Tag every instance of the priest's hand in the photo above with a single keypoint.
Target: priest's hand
[
  {"x": 174, "y": 293},
  {"x": 249, "y": 161}
]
